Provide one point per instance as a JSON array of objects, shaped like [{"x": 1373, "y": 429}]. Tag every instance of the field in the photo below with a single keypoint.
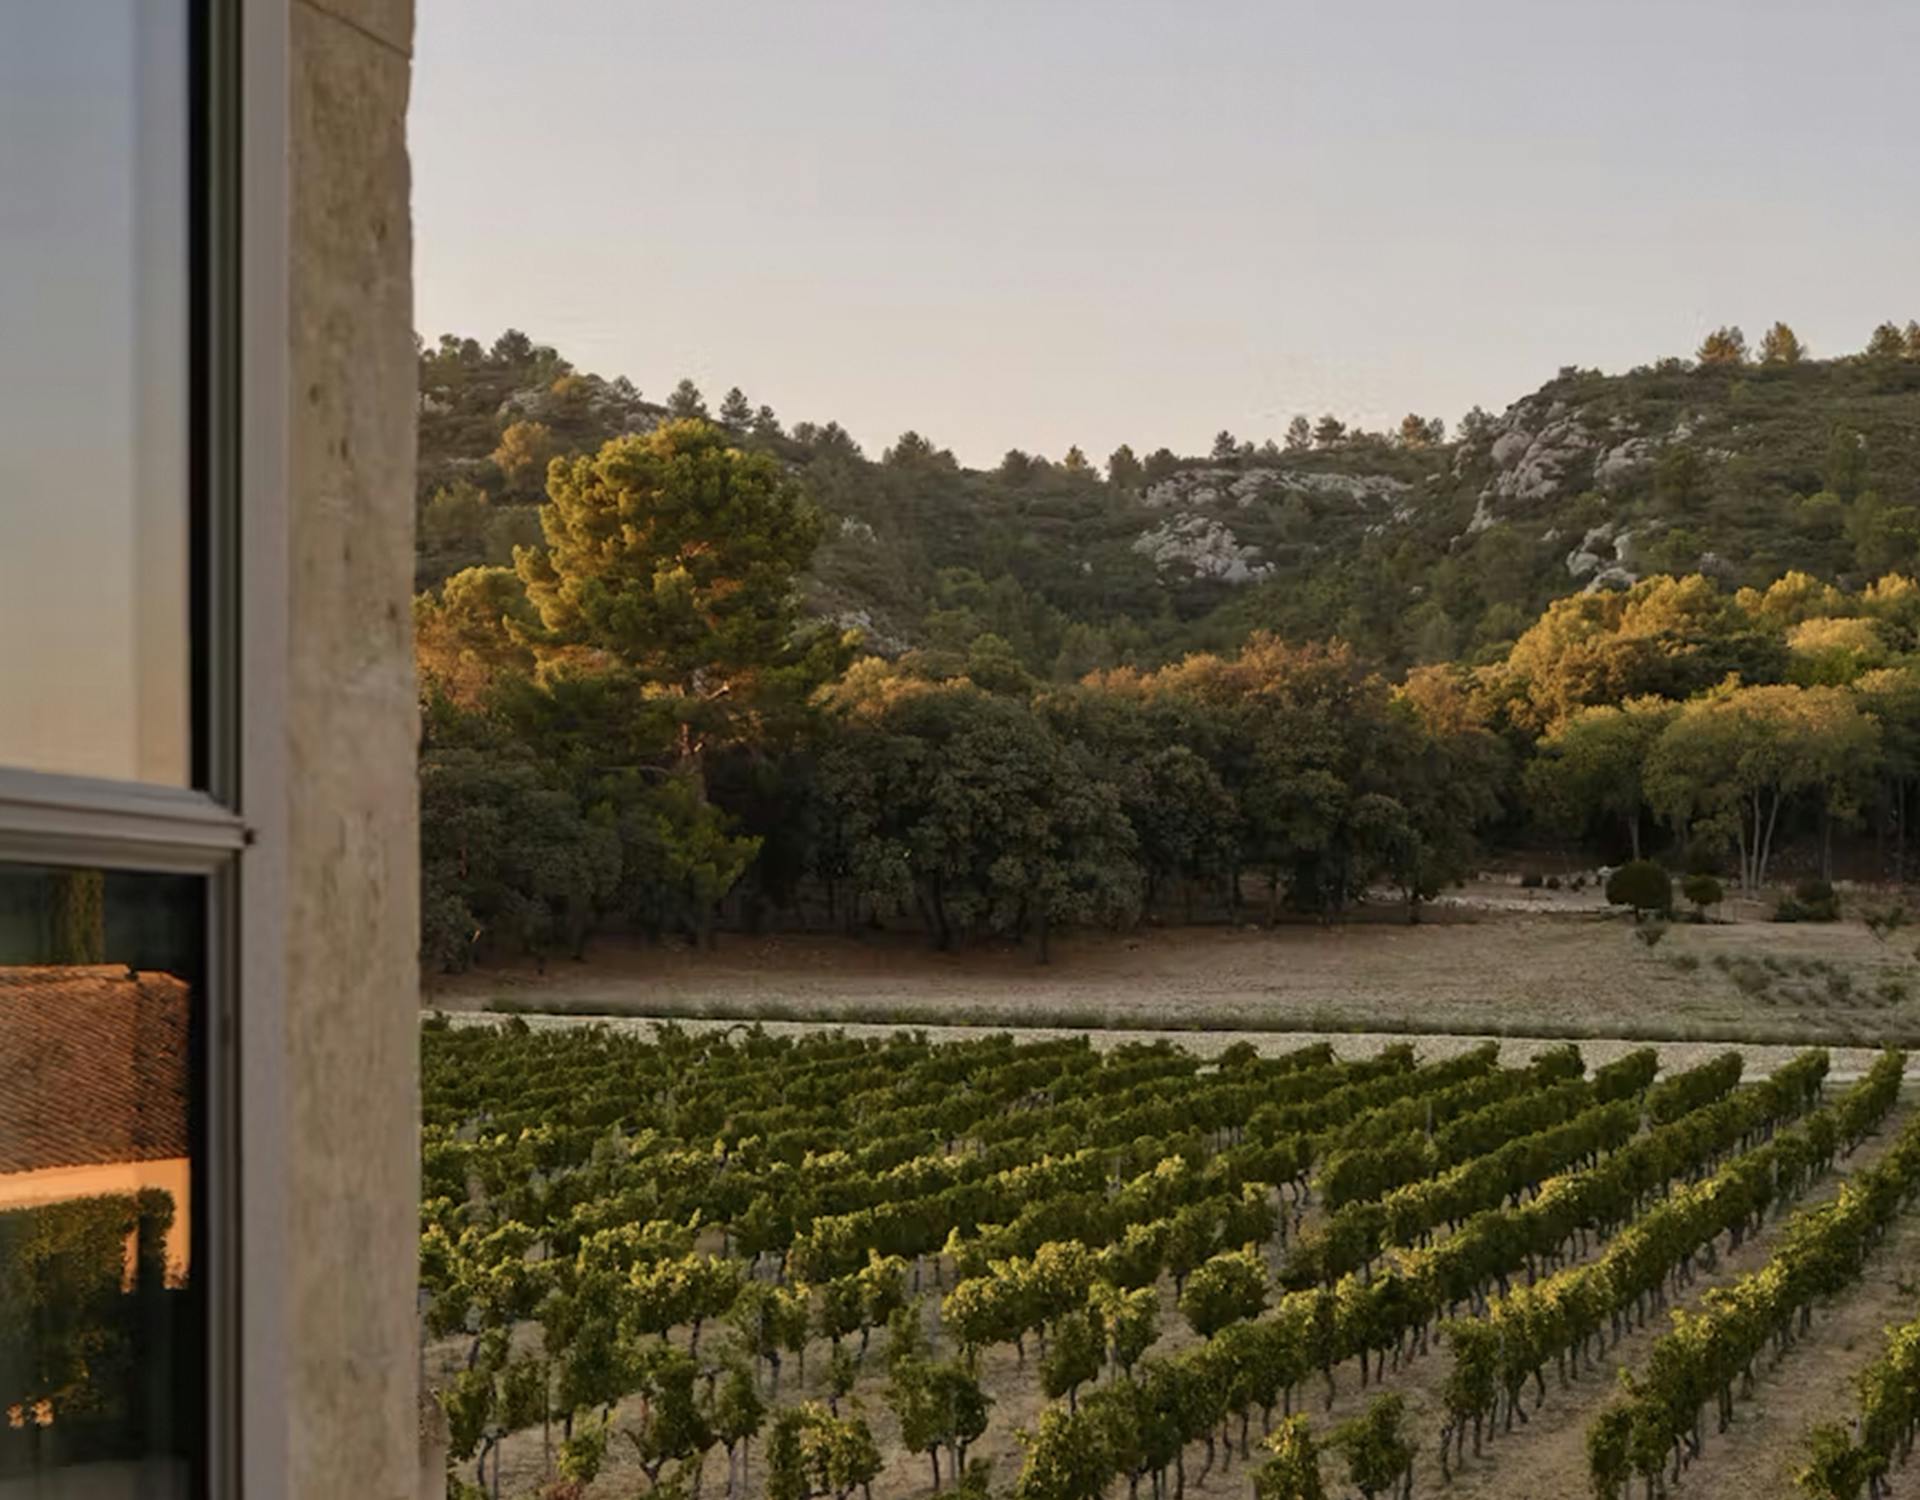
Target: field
[
  {"x": 1493, "y": 959},
  {"x": 1085, "y": 1272}
]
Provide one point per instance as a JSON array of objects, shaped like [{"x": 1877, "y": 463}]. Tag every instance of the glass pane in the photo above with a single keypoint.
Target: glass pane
[
  {"x": 102, "y": 1343},
  {"x": 94, "y": 314}
]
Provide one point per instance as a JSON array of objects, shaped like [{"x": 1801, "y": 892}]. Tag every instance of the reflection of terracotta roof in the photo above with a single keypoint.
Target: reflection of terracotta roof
[{"x": 93, "y": 1067}]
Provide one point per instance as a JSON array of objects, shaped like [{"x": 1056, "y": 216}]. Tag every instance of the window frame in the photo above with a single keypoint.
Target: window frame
[{"x": 229, "y": 826}]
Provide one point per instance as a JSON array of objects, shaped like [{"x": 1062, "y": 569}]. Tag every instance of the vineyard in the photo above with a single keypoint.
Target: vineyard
[{"x": 746, "y": 1265}]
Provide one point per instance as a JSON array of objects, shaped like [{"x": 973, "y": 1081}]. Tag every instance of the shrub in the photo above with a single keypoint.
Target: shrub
[
  {"x": 1703, "y": 891},
  {"x": 1642, "y": 885},
  {"x": 1811, "y": 901},
  {"x": 1531, "y": 882},
  {"x": 1883, "y": 922},
  {"x": 1650, "y": 933},
  {"x": 1814, "y": 891},
  {"x": 1553, "y": 882}
]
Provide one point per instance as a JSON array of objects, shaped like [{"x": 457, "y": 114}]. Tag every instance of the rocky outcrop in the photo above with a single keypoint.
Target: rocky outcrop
[
  {"x": 1212, "y": 488},
  {"x": 1619, "y": 462},
  {"x": 874, "y": 636},
  {"x": 1202, "y": 547},
  {"x": 613, "y": 403},
  {"x": 1537, "y": 456},
  {"x": 1604, "y": 558}
]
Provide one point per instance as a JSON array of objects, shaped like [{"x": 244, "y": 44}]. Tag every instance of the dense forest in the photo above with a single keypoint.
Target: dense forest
[{"x": 682, "y": 665}]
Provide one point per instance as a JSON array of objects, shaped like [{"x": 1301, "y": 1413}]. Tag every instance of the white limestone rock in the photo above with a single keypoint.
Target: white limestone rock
[
  {"x": 1608, "y": 579},
  {"x": 1626, "y": 458},
  {"x": 1203, "y": 547},
  {"x": 1203, "y": 489},
  {"x": 874, "y": 637}
]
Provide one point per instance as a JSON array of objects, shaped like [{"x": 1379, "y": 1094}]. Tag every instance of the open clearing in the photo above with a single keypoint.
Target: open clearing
[{"x": 1495, "y": 959}]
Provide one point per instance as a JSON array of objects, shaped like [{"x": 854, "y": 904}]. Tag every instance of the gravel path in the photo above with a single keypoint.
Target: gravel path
[{"x": 1762, "y": 1058}]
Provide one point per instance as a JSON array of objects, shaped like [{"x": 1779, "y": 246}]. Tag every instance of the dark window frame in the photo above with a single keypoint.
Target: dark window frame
[{"x": 228, "y": 826}]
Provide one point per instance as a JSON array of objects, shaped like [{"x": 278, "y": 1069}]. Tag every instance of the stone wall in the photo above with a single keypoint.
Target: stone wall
[{"x": 352, "y": 885}]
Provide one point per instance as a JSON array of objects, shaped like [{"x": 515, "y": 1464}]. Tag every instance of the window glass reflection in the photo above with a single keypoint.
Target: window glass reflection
[
  {"x": 94, "y": 311},
  {"x": 102, "y": 1348}
]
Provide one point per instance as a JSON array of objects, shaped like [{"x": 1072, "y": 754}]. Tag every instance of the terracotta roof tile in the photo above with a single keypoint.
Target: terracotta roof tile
[{"x": 93, "y": 1067}]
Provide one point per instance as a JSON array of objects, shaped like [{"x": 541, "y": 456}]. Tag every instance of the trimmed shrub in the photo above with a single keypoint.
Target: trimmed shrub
[
  {"x": 1642, "y": 885},
  {"x": 1702, "y": 891}
]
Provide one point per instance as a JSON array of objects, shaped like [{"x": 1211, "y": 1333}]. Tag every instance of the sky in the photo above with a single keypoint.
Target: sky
[{"x": 1034, "y": 223}]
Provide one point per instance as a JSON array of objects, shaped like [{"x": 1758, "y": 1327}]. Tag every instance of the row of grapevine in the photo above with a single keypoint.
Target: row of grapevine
[
  {"x": 1659, "y": 1417},
  {"x": 1139, "y": 1427},
  {"x": 1568, "y": 1317},
  {"x": 653, "y": 1250},
  {"x": 599, "y": 1287},
  {"x": 1844, "y": 1461}
]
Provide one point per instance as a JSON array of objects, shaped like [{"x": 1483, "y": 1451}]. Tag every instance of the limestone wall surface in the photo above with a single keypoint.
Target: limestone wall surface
[{"x": 352, "y": 1110}]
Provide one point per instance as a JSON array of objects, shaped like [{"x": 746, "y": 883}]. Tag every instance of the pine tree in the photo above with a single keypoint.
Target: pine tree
[
  {"x": 1887, "y": 342},
  {"x": 674, "y": 553},
  {"x": 1781, "y": 346},
  {"x": 1161, "y": 464},
  {"x": 909, "y": 450},
  {"x": 1328, "y": 431},
  {"x": 1299, "y": 435},
  {"x": 1124, "y": 471},
  {"x": 1724, "y": 346},
  {"x": 686, "y": 401},
  {"x": 1226, "y": 447},
  {"x": 735, "y": 410},
  {"x": 765, "y": 423}
]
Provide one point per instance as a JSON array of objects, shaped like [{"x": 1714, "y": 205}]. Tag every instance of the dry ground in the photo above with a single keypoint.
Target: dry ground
[{"x": 1495, "y": 959}]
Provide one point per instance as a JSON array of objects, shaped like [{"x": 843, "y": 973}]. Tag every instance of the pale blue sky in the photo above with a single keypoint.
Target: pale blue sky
[{"x": 1038, "y": 222}]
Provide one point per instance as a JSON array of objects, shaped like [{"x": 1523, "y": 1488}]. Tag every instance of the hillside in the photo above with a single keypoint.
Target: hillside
[{"x": 1416, "y": 551}]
